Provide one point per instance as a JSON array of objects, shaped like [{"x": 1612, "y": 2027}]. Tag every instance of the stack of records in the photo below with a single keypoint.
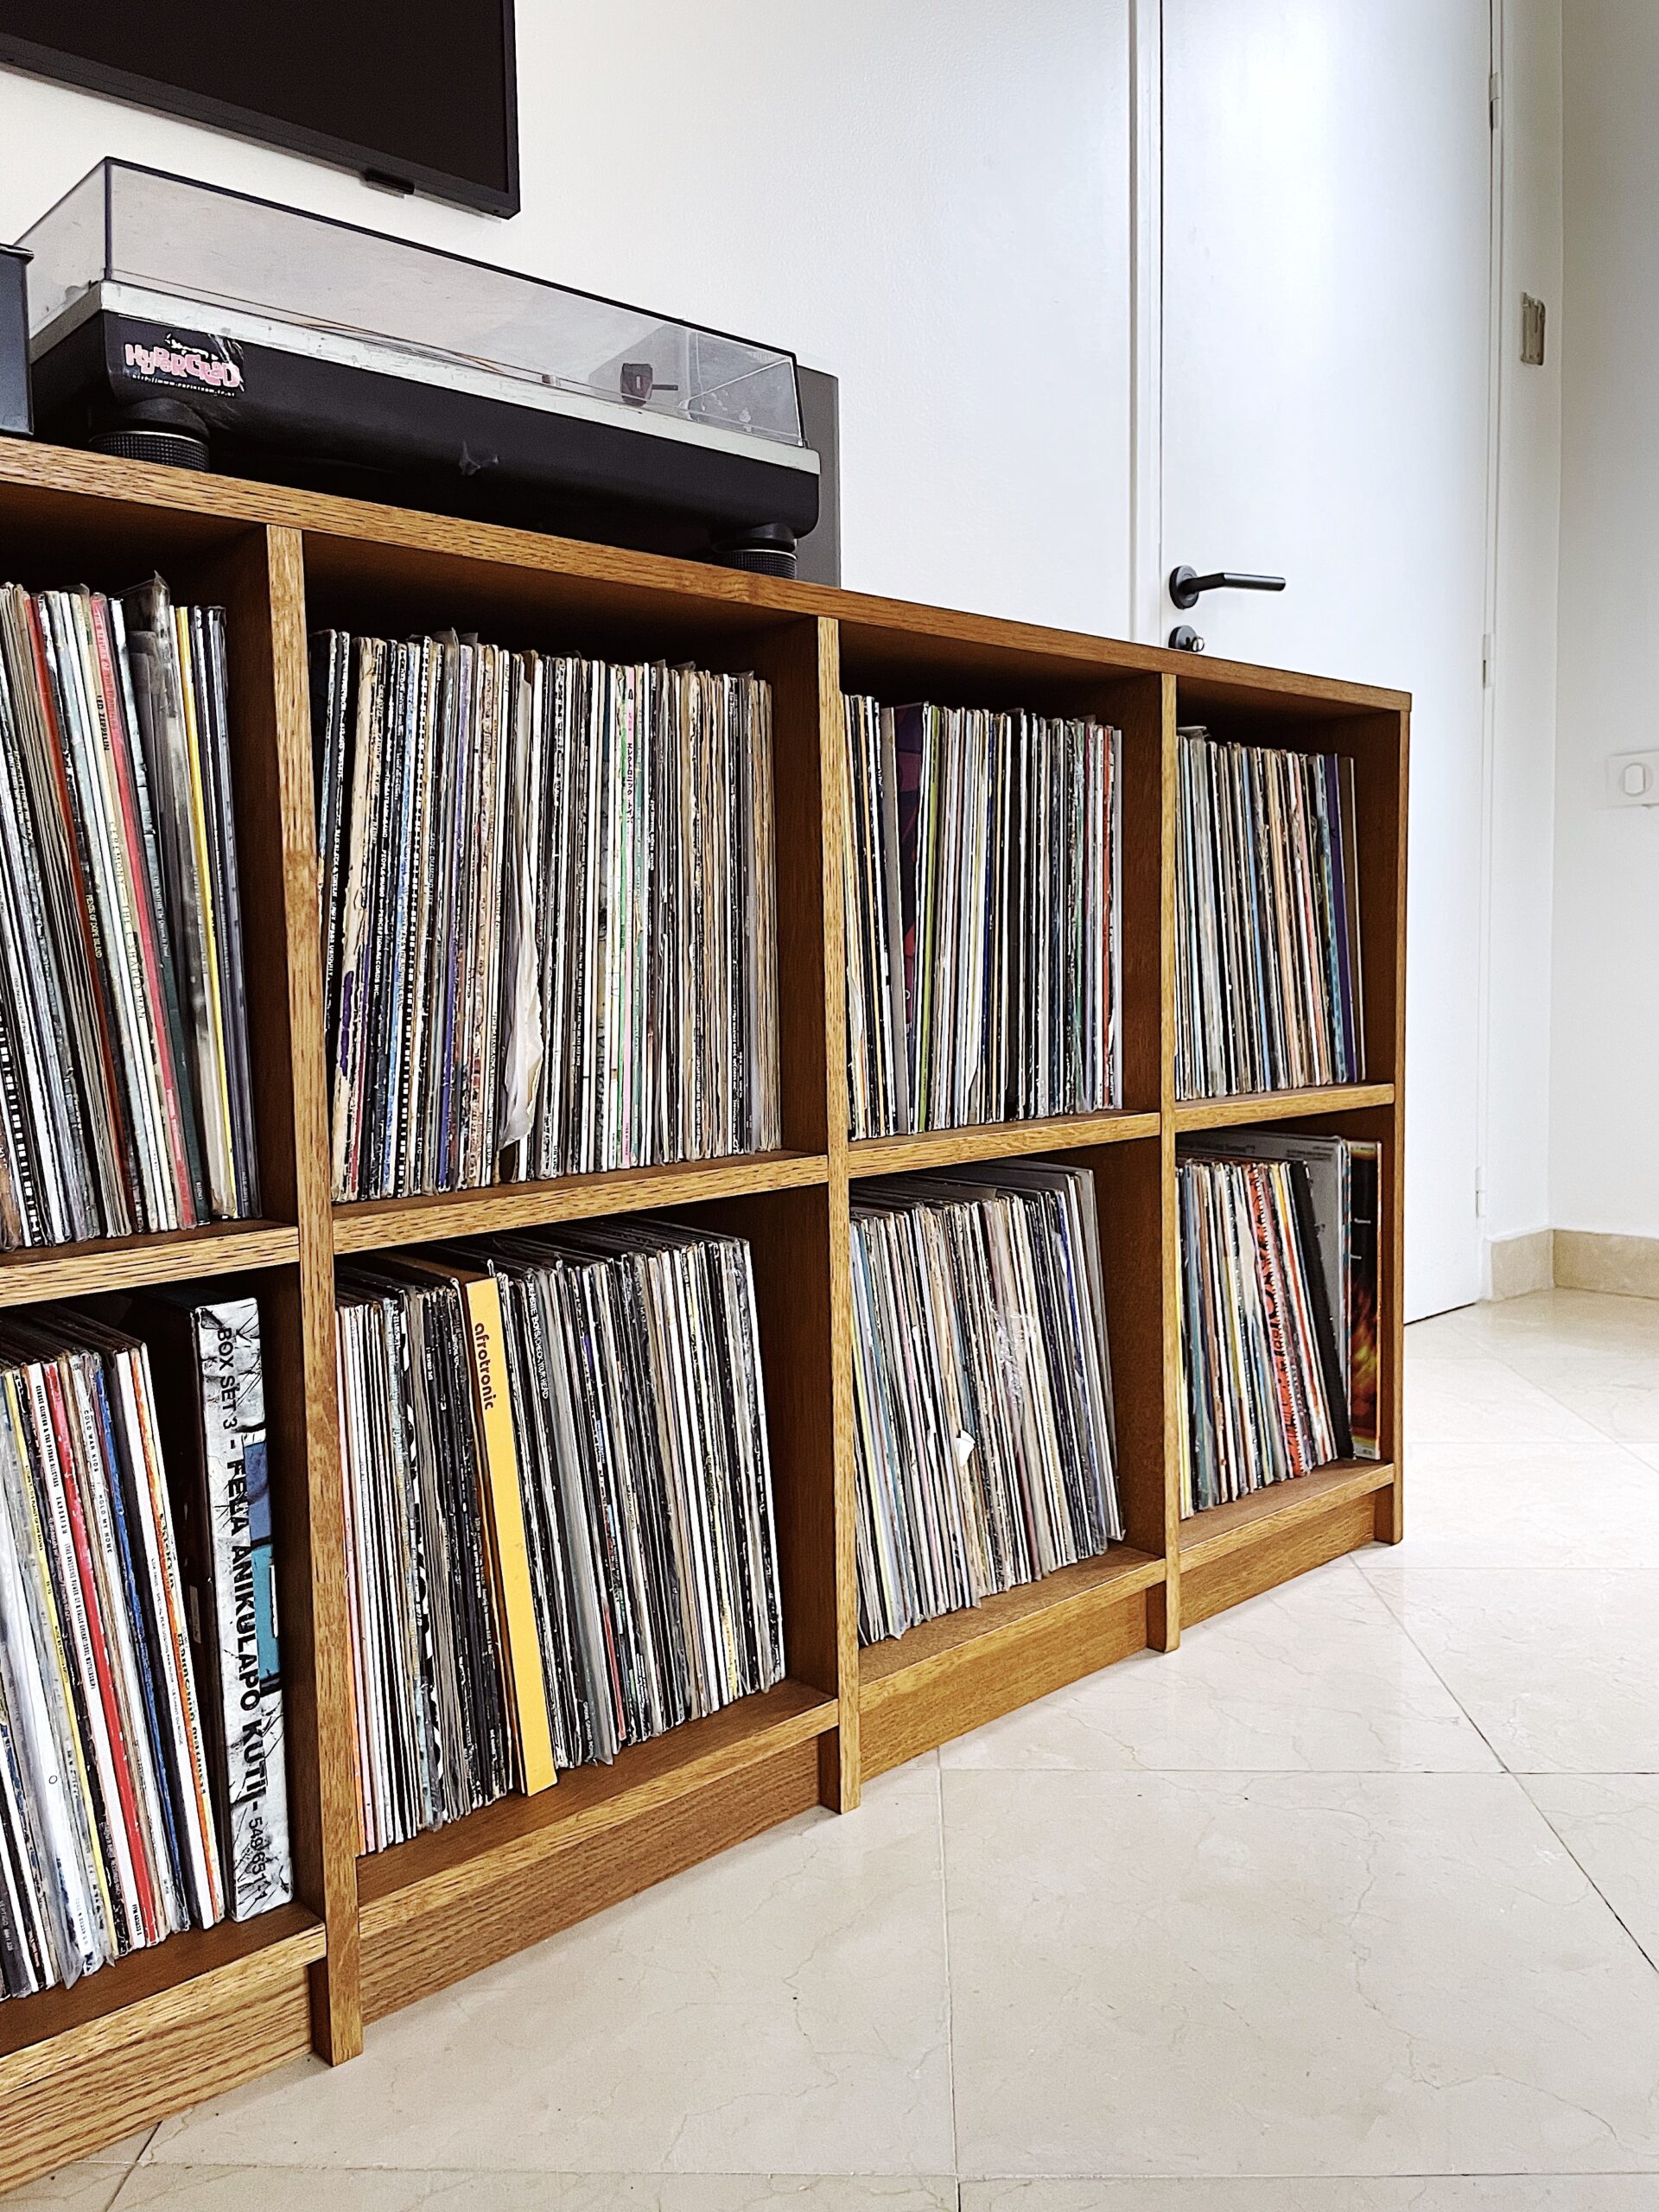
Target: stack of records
[
  {"x": 125, "y": 1103},
  {"x": 559, "y": 1504},
  {"x": 1267, "y": 914},
  {"x": 141, "y": 1782},
  {"x": 1279, "y": 1284},
  {"x": 432, "y": 1517},
  {"x": 982, "y": 895},
  {"x": 983, "y": 1438},
  {"x": 550, "y": 913}
]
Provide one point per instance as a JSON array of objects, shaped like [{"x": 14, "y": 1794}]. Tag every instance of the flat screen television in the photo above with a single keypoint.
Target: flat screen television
[{"x": 420, "y": 95}]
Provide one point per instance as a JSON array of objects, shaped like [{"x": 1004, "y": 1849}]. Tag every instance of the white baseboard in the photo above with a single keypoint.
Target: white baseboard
[
  {"x": 1585, "y": 1259},
  {"x": 1517, "y": 1265}
]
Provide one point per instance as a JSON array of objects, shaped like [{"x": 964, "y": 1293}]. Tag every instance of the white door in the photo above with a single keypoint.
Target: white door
[{"x": 1325, "y": 411}]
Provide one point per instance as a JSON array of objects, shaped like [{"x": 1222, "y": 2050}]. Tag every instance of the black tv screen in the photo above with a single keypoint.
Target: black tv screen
[{"x": 418, "y": 94}]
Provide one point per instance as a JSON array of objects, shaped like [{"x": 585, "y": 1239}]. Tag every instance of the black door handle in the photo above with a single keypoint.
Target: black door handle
[{"x": 1185, "y": 584}]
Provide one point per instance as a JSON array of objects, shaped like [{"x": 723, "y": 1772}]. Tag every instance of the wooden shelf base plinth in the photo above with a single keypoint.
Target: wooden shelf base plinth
[
  {"x": 200, "y": 2014},
  {"x": 444, "y": 1904},
  {"x": 919, "y": 1690}
]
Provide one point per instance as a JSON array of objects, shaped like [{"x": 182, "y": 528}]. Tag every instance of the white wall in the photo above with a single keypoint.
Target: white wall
[
  {"x": 1521, "y": 778},
  {"x": 914, "y": 197},
  {"x": 1605, "y": 1105}
]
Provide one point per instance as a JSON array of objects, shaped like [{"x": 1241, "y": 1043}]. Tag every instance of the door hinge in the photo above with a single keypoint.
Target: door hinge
[
  {"x": 1493, "y": 100},
  {"x": 1486, "y": 661},
  {"x": 1480, "y": 1192}
]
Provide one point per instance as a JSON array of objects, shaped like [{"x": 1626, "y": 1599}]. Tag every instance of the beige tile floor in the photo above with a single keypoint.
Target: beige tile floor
[{"x": 1350, "y": 1905}]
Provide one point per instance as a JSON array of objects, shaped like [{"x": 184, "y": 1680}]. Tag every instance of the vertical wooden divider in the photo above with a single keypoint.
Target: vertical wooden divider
[
  {"x": 809, "y": 1301},
  {"x": 1130, "y": 1177},
  {"x": 843, "y": 1786},
  {"x": 1165, "y": 1633},
  {"x": 267, "y": 596},
  {"x": 1129, "y": 1192},
  {"x": 1391, "y": 1289},
  {"x": 1379, "y": 743}
]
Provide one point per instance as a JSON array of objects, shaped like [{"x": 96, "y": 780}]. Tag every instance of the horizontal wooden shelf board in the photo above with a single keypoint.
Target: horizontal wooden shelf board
[
  {"x": 905, "y": 1156},
  {"x": 189, "y": 1974},
  {"x": 887, "y": 1668},
  {"x": 374, "y": 1224},
  {"x": 1271, "y": 702},
  {"x": 439, "y": 1871},
  {"x": 1223, "y": 1528},
  {"x": 129, "y": 1262},
  {"x": 1279, "y": 1105},
  {"x": 877, "y": 629},
  {"x": 33, "y": 466}
]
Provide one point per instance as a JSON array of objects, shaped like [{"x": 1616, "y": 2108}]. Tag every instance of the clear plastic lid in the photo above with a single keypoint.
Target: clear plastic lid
[{"x": 219, "y": 250}]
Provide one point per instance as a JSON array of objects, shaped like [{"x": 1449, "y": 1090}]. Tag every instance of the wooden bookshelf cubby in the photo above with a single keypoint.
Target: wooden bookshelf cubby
[{"x": 79, "y": 2068}]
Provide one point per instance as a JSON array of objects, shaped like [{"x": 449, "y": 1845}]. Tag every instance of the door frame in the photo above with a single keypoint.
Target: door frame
[
  {"x": 1147, "y": 321},
  {"x": 1489, "y": 644}
]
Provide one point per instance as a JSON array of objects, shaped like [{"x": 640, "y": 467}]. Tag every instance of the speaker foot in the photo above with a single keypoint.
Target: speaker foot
[
  {"x": 768, "y": 549},
  {"x": 159, "y": 430}
]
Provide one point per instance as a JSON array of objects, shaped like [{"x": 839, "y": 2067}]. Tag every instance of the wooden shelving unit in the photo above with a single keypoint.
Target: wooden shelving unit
[{"x": 79, "y": 2068}]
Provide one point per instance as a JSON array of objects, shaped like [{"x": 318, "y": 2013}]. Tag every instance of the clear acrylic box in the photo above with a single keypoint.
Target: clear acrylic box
[{"x": 237, "y": 259}]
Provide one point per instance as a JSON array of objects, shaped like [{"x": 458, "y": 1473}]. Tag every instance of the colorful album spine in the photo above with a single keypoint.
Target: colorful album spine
[
  {"x": 216, "y": 1100},
  {"x": 79, "y": 1588},
  {"x": 133, "y": 851},
  {"x": 258, "y": 1864},
  {"x": 151, "y": 1510},
  {"x": 1364, "y": 1347},
  {"x": 506, "y": 1541},
  {"x": 34, "y": 1675}
]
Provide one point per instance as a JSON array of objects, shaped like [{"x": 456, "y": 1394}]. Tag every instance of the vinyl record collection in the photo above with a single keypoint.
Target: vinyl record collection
[
  {"x": 982, "y": 889},
  {"x": 559, "y": 1508},
  {"x": 142, "y": 1787},
  {"x": 1280, "y": 1246},
  {"x": 549, "y": 913},
  {"x": 984, "y": 1436},
  {"x": 125, "y": 1103},
  {"x": 1267, "y": 984}
]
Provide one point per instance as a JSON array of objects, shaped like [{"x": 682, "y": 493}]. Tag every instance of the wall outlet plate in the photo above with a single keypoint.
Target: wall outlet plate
[{"x": 1633, "y": 779}]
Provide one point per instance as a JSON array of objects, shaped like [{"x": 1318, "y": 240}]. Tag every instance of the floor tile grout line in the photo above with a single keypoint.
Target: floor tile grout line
[
  {"x": 339, "y": 2169},
  {"x": 1032, "y": 1774},
  {"x": 983, "y": 2180},
  {"x": 1587, "y": 1774},
  {"x": 1642, "y": 1948},
  {"x": 950, "y": 1992},
  {"x": 122, "y": 2175},
  {"x": 1405, "y": 1630},
  {"x": 1436, "y": 2173}
]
